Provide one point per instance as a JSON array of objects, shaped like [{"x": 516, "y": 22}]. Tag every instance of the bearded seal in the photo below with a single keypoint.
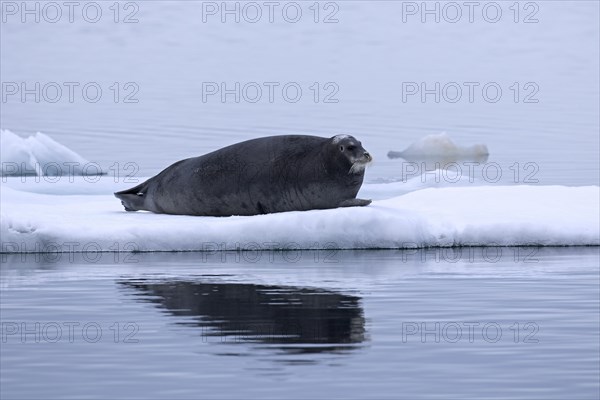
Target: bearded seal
[{"x": 259, "y": 176}]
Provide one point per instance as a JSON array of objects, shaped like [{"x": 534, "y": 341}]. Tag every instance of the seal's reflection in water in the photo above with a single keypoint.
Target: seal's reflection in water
[{"x": 292, "y": 319}]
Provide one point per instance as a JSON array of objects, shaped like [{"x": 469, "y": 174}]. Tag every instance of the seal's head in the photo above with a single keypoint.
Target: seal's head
[{"x": 351, "y": 149}]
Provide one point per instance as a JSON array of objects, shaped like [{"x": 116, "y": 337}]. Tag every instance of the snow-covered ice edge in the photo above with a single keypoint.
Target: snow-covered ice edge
[{"x": 447, "y": 216}]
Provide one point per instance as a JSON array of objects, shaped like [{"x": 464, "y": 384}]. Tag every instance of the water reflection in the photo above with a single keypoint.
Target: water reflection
[{"x": 294, "y": 319}]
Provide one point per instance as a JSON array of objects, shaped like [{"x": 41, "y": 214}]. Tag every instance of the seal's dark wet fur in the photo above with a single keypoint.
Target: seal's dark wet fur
[{"x": 259, "y": 176}]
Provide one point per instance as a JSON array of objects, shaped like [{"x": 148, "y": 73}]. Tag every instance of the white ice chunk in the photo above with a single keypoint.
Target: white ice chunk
[
  {"x": 38, "y": 155},
  {"x": 440, "y": 145}
]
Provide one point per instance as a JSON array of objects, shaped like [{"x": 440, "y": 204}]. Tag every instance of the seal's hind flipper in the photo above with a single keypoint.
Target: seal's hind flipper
[
  {"x": 126, "y": 206},
  {"x": 354, "y": 203},
  {"x": 133, "y": 199}
]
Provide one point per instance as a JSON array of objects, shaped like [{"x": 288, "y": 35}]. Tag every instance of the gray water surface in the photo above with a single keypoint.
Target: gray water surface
[
  {"x": 445, "y": 323},
  {"x": 549, "y": 120}
]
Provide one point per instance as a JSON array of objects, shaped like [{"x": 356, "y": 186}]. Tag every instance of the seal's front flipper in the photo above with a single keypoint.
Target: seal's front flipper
[{"x": 355, "y": 203}]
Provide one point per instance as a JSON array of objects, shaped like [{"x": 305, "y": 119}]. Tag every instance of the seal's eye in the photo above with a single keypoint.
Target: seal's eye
[
  {"x": 351, "y": 148},
  {"x": 341, "y": 148}
]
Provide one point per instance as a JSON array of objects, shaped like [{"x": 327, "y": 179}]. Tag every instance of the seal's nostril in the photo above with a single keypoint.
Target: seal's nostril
[{"x": 367, "y": 155}]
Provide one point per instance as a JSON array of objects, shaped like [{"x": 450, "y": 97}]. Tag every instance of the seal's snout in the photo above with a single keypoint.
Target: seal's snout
[
  {"x": 359, "y": 165},
  {"x": 366, "y": 157}
]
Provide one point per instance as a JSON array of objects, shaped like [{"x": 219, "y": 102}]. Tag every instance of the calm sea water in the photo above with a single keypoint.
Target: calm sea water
[
  {"x": 360, "y": 70},
  {"x": 453, "y": 323},
  {"x": 450, "y": 323}
]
